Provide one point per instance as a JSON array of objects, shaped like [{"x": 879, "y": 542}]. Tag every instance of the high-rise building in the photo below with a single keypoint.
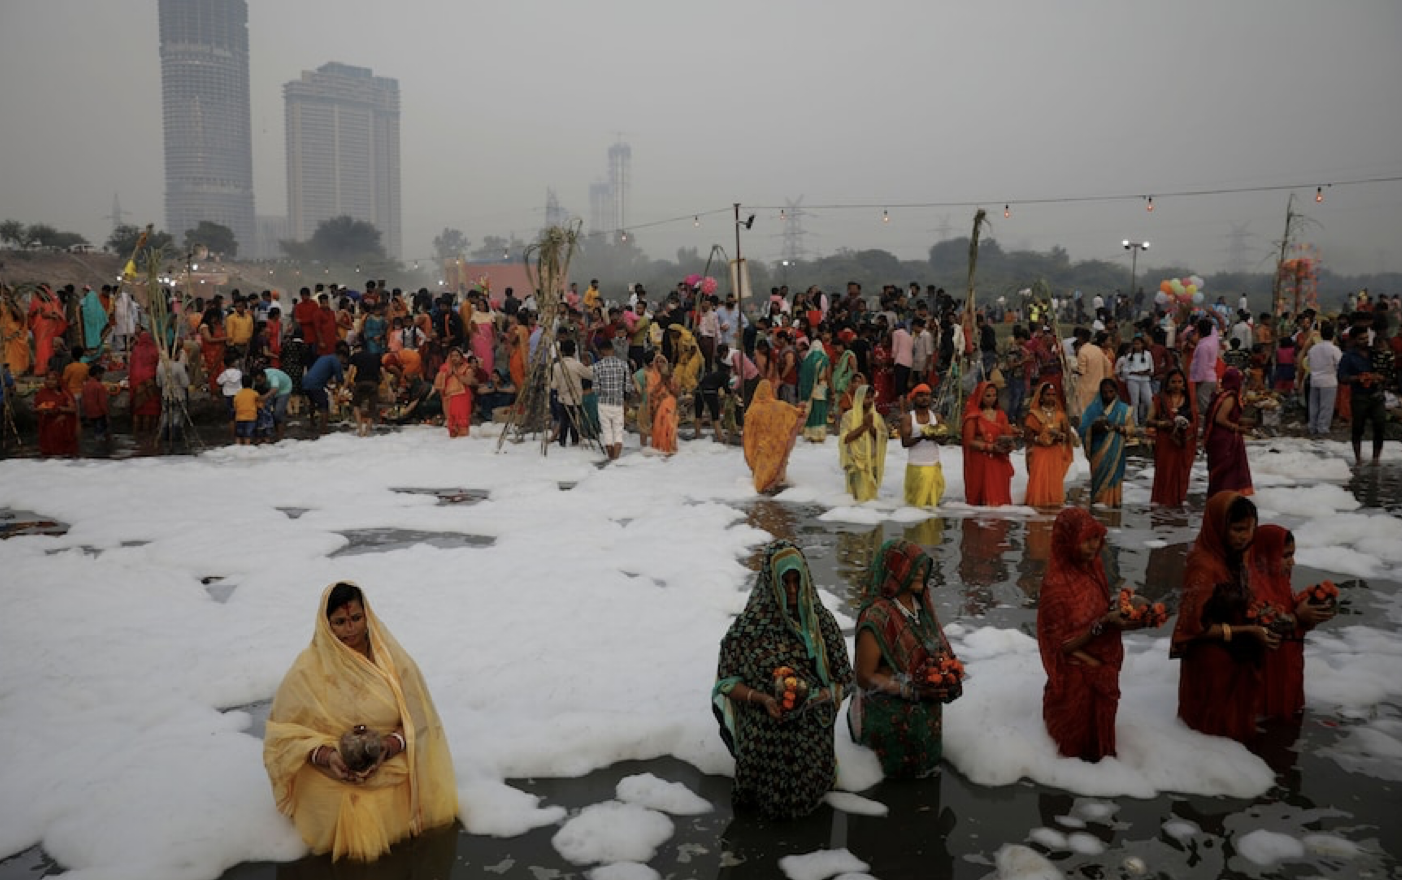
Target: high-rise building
[
  {"x": 208, "y": 133},
  {"x": 343, "y": 151}
]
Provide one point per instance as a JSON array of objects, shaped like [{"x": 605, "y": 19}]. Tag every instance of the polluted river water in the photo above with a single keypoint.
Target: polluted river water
[{"x": 1331, "y": 812}]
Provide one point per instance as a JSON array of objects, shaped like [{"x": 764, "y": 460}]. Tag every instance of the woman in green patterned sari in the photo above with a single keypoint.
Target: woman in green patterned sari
[
  {"x": 894, "y": 711},
  {"x": 784, "y": 757},
  {"x": 814, "y": 381}
]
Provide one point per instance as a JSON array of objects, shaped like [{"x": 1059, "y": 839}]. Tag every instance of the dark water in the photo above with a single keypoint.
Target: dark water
[{"x": 988, "y": 572}]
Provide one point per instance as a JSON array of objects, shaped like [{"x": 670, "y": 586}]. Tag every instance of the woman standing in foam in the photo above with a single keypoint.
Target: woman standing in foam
[
  {"x": 785, "y": 759},
  {"x": 1219, "y": 681}
]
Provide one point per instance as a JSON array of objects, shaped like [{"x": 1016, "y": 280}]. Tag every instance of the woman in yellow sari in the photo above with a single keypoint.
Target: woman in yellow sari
[
  {"x": 686, "y": 372},
  {"x": 861, "y": 446},
  {"x": 355, "y": 673},
  {"x": 771, "y": 427}
]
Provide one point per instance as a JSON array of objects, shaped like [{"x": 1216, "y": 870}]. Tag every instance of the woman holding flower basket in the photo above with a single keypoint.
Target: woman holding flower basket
[
  {"x": 1078, "y": 632},
  {"x": 1220, "y": 635},
  {"x": 783, "y": 666},
  {"x": 1283, "y": 676},
  {"x": 905, "y": 667}
]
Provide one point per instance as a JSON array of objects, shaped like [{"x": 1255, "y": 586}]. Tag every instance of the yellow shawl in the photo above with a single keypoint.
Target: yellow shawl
[
  {"x": 864, "y": 459},
  {"x": 330, "y": 689}
]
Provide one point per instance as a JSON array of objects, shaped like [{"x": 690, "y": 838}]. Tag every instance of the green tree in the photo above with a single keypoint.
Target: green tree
[
  {"x": 123, "y": 240},
  {"x": 40, "y": 235},
  {"x": 12, "y": 232},
  {"x": 450, "y": 245},
  {"x": 341, "y": 240},
  {"x": 217, "y": 237},
  {"x": 491, "y": 249}
]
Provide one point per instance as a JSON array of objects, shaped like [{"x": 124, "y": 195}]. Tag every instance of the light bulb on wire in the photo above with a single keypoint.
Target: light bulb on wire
[
  {"x": 1007, "y": 211},
  {"x": 696, "y": 221},
  {"x": 1319, "y": 193},
  {"x": 1150, "y": 207},
  {"x": 885, "y": 217},
  {"x": 783, "y": 214}
]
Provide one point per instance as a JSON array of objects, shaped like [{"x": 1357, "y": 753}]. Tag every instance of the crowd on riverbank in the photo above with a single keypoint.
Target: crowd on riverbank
[{"x": 76, "y": 359}]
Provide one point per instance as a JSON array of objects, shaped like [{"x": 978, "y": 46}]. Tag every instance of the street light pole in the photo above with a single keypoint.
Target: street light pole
[{"x": 1134, "y": 247}]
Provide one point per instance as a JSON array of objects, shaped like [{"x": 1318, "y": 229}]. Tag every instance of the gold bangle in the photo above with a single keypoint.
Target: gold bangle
[{"x": 1226, "y": 632}]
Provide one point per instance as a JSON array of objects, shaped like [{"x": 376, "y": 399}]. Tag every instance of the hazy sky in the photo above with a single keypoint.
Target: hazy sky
[{"x": 881, "y": 104}]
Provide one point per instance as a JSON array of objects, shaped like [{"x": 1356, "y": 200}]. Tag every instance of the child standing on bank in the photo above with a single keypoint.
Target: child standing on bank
[{"x": 245, "y": 412}]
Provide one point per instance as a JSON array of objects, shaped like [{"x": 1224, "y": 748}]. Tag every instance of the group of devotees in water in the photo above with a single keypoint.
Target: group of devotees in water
[{"x": 358, "y": 759}]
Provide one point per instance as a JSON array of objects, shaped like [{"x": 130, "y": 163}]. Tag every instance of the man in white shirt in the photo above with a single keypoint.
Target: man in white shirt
[
  {"x": 924, "y": 351},
  {"x": 1243, "y": 329},
  {"x": 1324, "y": 357}
]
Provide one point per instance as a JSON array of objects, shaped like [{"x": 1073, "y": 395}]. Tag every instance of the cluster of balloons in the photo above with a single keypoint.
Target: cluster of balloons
[
  {"x": 1183, "y": 291},
  {"x": 706, "y": 284}
]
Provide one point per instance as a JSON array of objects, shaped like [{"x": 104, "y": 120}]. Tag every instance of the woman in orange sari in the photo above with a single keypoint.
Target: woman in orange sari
[
  {"x": 213, "y": 342},
  {"x": 1174, "y": 419},
  {"x": 520, "y": 342},
  {"x": 1050, "y": 448},
  {"x": 988, "y": 470},
  {"x": 14, "y": 335},
  {"x": 662, "y": 399},
  {"x": 47, "y": 323},
  {"x": 1222, "y": 651},
  {"x": 454, "y": 384},
  {"x": 771, "y": 428}
]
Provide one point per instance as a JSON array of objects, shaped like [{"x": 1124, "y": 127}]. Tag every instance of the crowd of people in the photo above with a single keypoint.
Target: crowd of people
[
  {"x": 354, "y": 748},
  {"x": 1179, "y": 378}
]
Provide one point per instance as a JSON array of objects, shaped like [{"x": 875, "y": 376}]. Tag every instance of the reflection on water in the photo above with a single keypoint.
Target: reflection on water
[
  {"x": 383, "y": 540},
  {"x": 982, "y": 566}
]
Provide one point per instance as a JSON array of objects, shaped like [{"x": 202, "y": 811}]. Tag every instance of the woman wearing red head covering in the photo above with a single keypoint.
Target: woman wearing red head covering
[
  {"x": 1079, "y": 640},
  {"x": 1219, "y": 681},
  {"x": 988, "y": 470},
  {"x": 1283, "y": 677},
  {"x": 1174, "y": 419},
  {"x": 1222, "y": 438}
]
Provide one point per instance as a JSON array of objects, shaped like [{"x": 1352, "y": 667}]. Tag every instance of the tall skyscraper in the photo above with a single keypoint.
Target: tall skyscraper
[
  {"x": 208, "y": 133},
  {"x": 343, "y": 151}
]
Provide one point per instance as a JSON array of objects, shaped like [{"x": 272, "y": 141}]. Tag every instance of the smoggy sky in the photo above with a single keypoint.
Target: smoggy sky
[{"x": 880, "y": 104}]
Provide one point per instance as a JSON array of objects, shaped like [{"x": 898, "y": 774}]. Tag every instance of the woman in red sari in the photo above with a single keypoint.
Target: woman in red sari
[
  {"x": 454, "y": 383},
  {"x": 1223, "y": 439},
  {"x": 988, "y": 468},
  {"x": 213, "y": 342},
  {"x": 141, "y": 378},
  {"x": 1079, "y": 640},
  {"x": 1049, "y": 448},
  {"x": 1174, "y": 419},
  {"x": 1219, "y": 681},
  {"x": 1283, "y": 678},
  {"x": 57, "y": 413}
]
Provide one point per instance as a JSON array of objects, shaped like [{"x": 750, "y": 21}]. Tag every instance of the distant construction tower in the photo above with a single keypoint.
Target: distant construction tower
[
  {"x": 793, "y": 231},
  {"x": 208, "y": 124},
  {"x": 1237, "y": 248},
  {"x": 118, "y": 216}
]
